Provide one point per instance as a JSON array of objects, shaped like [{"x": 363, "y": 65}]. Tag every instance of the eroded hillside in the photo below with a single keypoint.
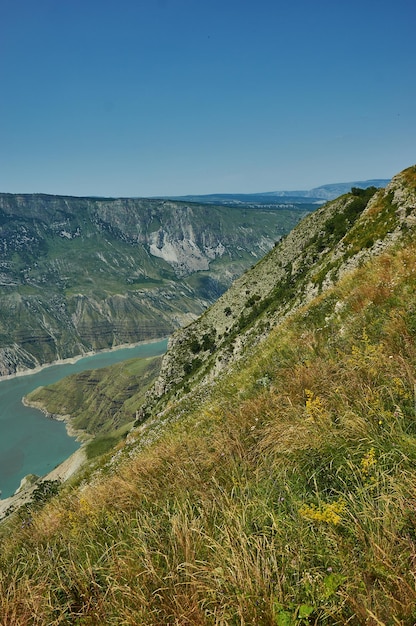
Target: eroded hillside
[
  {"x": 328, "y": 243},
  {"x": 81, "y": 274}
]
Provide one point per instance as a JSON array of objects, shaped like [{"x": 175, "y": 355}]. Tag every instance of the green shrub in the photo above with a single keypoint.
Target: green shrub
[{"x": 100, "y": 446}]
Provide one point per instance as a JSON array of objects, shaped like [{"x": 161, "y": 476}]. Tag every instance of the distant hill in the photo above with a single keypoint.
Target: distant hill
[
  {"x": 331, "y": 191},
  {"x": 316, "y": 195}
]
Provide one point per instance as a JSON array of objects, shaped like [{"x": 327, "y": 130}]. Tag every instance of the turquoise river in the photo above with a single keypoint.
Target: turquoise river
[{"x": 30, "y": 442}]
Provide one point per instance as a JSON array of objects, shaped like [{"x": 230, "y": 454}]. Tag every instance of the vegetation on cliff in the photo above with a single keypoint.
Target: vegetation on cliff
[
  {"x": 278, "y": 490},
  {"x": 102, "y": 400}
]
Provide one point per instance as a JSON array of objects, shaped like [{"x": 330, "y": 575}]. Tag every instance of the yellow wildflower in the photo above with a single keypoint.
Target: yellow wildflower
[
  {"x": 330, "y": 512},
  {"x": 368, "y": 462}
]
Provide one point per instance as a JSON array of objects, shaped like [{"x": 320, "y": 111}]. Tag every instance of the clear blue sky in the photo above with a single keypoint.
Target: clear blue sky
[{"x": 159, "y": 97}]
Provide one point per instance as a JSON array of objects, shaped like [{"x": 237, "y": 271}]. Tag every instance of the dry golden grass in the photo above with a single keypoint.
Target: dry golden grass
[{"x": 286, "y": 497}]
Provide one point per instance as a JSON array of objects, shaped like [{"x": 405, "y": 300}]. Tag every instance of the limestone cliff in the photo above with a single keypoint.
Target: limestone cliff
[{"x": 81, "y": 274}]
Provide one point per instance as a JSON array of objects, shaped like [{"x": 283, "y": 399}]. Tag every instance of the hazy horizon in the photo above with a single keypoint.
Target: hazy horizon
[{"x": 145, "y": 98}]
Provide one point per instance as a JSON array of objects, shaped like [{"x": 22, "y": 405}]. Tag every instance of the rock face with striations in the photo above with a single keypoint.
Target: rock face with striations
[
  {"x": 81, "y": 274},
  {"x": 325, "y": 245}
]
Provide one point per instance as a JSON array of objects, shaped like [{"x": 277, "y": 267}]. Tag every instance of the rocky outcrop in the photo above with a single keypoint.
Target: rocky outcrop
[{"x": 326, "y": 244}]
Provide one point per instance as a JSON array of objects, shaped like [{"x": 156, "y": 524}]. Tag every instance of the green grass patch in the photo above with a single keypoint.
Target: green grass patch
[{"x": 99, "y": 446}]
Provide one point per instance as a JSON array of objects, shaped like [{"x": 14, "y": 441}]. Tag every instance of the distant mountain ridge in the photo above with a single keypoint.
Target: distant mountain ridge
[
  {"x": 315, "y": 195},
  {"x": 332, "y": 190}
]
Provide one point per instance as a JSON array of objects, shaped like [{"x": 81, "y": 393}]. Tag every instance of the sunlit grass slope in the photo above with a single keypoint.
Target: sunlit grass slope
[{"x": 283, "y": 493}]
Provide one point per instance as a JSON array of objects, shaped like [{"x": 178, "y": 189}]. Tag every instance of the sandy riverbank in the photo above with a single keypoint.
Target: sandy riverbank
[
  {"x": 79, "y": 435},
  {"x": 71, "y": 465},
  {"x": 62, "y": 472},
  {"x": 74, "y": 359}
]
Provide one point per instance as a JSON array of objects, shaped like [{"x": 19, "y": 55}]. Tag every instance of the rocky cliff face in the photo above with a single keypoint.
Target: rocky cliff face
[
  {"x": 80, "y": 274},
  {"x": 329, "y": 242}
]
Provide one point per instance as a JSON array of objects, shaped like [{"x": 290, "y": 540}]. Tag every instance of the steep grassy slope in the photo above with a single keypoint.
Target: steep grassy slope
[
  {"x": 282, "y": 490},
  {"x": 307, "y": 261},
  {"x": 80, "y": 274}
]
